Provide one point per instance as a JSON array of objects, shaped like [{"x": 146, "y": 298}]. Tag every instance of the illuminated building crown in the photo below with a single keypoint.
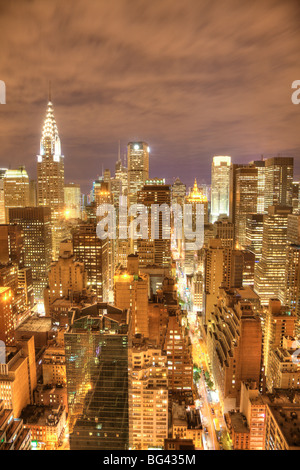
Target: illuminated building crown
[
  {"x": 50, "y": 141},
  {"x": 196, "y": 194}
]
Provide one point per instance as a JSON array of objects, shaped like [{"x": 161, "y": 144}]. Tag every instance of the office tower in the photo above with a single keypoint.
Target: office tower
[
  {"x": 7, "y": 327},
  {"x": 260, "y": 165},
  {"x": 72, "y": 196},
  {"x": 54, "y": 366},
  {"x": 248, "y": 259},
  {"x": 177, "y": 347},
  {"x": 254, "y": 234},
  {"x": 224, "y": 230},
  {"x": 16, "y": 189},
  {"x": 158, "y": 243},
  {"x": 32, "y": 193},
  {"x": 12, "y": 432},
  {"x": 220, "y": 185},
  {"x": 36, "y": 225},
  {"x": 234, "y": 343},
  {"x": 9, "y": 277},
  {"x": 295, "y": 195},
  {"x": 283, "y": 370},
  {"x": 102, "y": 193},
  {"x": 232, "y": 193},
  {"x": 195, "y": 219},
  {"x": 2, "y": 203},
  {"x": 270, "y": 271},
  {"x": 67, "y": 277},
  {"x": 148, "y": 400},
  {"x": 289, "y": 295},
  {"x": 131, "y": 292},
  {"x": 50, "y": 175},
  {"x": 213, "y": 274},
  {"x": 245, "y": 200},
  {"x": 121, "y": 175},
  {"x": 279, "y": 181},
  {"x": 293, "y": 229},
  {"x": 17, "y": 378},
  {"x": 269, "y": 421},
  {"x": 11, "y": 245},
  {"x": 90, "y": 250},
  {"x": 138, "y": 168},
  {"x": 97, "y": 381},
  {"x": 279, "y": 323},
  {"x": 178, "y": 192},
  {"x": 25, "y": 283}
]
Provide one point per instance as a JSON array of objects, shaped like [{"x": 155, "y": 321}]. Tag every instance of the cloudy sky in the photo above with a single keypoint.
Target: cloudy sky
[{"x": 193, "y": 78}]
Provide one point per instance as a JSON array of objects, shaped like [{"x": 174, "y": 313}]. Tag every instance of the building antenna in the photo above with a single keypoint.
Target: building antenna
[
  {"x": 49, "y": 90},
  {"x": 119, "y": 151}
]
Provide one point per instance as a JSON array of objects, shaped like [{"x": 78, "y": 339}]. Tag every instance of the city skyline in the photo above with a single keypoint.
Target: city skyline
[
  {"x": 208, "y": 91},
  {"x": 150, "y": 227}
]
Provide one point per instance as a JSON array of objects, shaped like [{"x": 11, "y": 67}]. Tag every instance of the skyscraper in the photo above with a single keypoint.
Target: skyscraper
[
  {"x": 2, "y": 205},
  {"x": 138, "y": 168},
  {"x": 270, "y": 271},
  {"x": 279, "y": 181},
  {"x": 36, "y": 225},
  {"x": 158, "y": 247},
  {"x": 220, "y": 183},
  {"x": 16, "y": 189},
  {"x": 245, "y": 200},
  {"x": 72, "y": 196},
  {"x": 50, "y": 173},
  {"x": 97, "y": 364}
]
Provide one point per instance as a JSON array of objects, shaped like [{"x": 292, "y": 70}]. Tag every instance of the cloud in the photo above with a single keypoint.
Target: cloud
[{"x": 192, "y": 79}]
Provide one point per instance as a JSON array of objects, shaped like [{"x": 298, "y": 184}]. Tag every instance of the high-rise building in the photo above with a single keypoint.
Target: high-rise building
[
  {"x": 149, "y": 398},
  {"x": 234, "y": 342},
  {"x": 13, "y": 434},
  {"x": 72, "y": 197},
  {"x": 178, "y": 192},
  {"x": 2, "y": 203},
  {"x": 97, "y": 364},
  {"x": 177, "y": 347},
  {"x": 279, "y": 181},
  {"x": 245, "y": 200},
  {"x": 16, "y": 189},
  {"x": 121, "y": 175},
  {"x": 254, "y": 234},
  {"x": 131, "y": 292},
  {"x": 224, "y": 230},
  {"x": 11, "y": 245},
  {"x": 67, "y": 277},
  {"x": 157, "y": 247},
  {"x": 279, "y": 323},
  {"x": 261, "y": 183},
  {"x": 138, "y": 168},
  {"x": 270, "y": 271},
  {"x": 220, "y": 184},
  {"x": 36, "y": 225},
  {"x": 18, "y": 375},
  {"x": 7, "y": 327},
  {"x": 93, "y": 253},
  {"x": 50, "y": 175}
]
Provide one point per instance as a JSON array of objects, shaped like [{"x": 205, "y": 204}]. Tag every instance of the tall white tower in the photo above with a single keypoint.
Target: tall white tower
[{"x": 220, "y": 186}]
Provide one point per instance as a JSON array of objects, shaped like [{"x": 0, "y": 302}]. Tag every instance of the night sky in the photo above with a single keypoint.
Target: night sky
[{"x": 192, "y": 78}]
